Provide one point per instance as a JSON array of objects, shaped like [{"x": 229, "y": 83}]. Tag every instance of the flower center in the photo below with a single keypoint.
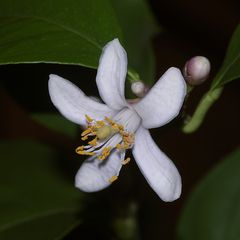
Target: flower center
[
  {"x": 99, "y": 135},
  {"x": 104, "y": 132}
]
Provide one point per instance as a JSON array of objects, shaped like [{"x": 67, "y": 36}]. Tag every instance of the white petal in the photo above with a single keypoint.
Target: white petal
[
  {"x": 128, "y": 118},
  {"x": 157, "y": 168},
  {"x": 164, "y": 101},
  {"x": 73, "y": 103},
  {"x": 111, "y": 75},
  {"x": 94, "y": 174}
]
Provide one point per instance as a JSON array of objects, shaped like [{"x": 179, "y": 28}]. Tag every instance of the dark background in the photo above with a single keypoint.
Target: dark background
[{"x": 189, "y": 28}]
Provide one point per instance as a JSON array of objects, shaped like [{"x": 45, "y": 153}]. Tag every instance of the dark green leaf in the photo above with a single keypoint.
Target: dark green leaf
[
  {"x": 51, "y": 227},
  {"x": 213, "y": 209},
  {"x": 57, "y": 123},
  {"x": 36, "y": 202},
  {"x": 138, "y": 26},
  {"x": 55, "y": 31},
  {"x": 230, "y": 69}
]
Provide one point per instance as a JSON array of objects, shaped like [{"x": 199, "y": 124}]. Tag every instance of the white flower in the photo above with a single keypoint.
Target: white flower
[{"x": 117, "y": 125}]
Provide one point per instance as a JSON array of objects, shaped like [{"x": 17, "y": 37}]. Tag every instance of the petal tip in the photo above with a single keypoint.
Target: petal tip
[
  {"x": 53, "y": 77},
  {"x": 82, "y": 184},
  {"x": 115, "y": 41},
  {"x": 174, "y": 69},
  {"x": 52, "y": 81},
  {"x": 115, "y": 45},
  {"x": 174, "y": 195},
  {"x": 89, "y": 179},
  {"x": 178, "y": 77}
]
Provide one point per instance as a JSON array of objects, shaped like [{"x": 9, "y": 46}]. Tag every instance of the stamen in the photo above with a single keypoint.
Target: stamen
[
  {"x": 80, "y": 150},
  {"x": 126, "y": 161},
  {"x": 113, "y": 179},
  {"x": 105, "y": 153},
  {"x": 100, "y": 123},
  {"x": 87, "y": 131},
  {"x": 109, "y": 120},
  {"x": 84, "y": 138},
  {"x": 103, "y": 130},
  {"x": 93, "y": 142},
  {"x": 119, "y": 146},
  {"x": 120, "y": 127},
  {"x": 88, "y": 118},
  {"x": 86, "y": 153},
  {"x": 115, "y": 127}
]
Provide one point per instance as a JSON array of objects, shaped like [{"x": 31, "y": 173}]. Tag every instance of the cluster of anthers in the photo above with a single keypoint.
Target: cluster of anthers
[{"x": 100, "y": 132}]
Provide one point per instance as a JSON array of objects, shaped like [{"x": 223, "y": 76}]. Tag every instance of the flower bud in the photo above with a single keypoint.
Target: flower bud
[
  {"x": 139, "y": 88},
  {"x": 196, "y": 70}
]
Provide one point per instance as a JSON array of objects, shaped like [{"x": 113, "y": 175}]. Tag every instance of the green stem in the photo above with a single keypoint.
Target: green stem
[
  {"x": 133, "y": 76},
  {"x": 204, "y": 105}
]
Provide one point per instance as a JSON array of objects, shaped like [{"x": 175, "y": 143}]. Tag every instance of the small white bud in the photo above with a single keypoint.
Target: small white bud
[
  {"x": 196, "y": 70},
  {"x": 139, "y": 88}
]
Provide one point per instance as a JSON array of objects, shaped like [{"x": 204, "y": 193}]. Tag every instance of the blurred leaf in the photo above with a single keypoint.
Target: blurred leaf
[
  {"x": 50, "y": 227},
  {"x": 36, "y": 202},
  {"x": 213, "y": 209},
  {"x": 230, "y": 69},
  {"x": 55, "y": 31},
  {"x": 57, "y": 123},
  {"x": 139, "y": 26}
]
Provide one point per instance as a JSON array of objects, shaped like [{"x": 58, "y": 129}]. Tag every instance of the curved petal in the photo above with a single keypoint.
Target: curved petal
[
  {"x": 73, "y": 103},
  {"x": 111, "y": 75},
  {"x": 164, "y": 101},
  {"x": 94, "y": 175},
  {"x": 157, "y": 168}
]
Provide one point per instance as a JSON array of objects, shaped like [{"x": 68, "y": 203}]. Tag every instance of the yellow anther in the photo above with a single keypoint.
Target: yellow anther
[
  {"x": 120, "y": 127},
  {"x": 85, "y": 153},
  {"x": 85, "y": 137},
  {"x": 126, "y": 161},
  {"x": 128, "y": 140},
  {"x": 109, "y": 120},
  {"x": 113, "y": 178},
  {"x": 93, "y": 142},
  {"x": 105, "y": 153},
  {"x": 100, "y": 123},
  {"x": 115, "y": 127},
  {"x": 88, "y": 118},
  {"x": 87, "y": 131},
  {"x": 119, "y": 146},
  {"x": 80, "y": 148}
]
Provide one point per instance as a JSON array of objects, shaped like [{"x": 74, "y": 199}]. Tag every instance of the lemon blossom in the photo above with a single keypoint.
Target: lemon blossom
[{"x": 117, "y": 125}]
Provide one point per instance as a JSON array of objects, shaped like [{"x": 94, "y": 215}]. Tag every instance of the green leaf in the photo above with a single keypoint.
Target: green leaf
[
  {"x": 213, "y": 209},
  {"x": 55, "y": 31},
  {"x": 50, "y": 227},
  {"x": 36, "y": 202},
  {"x": 139, "y": 26},
  {"x": 230, "y": 69},
  {"x": 57, "y": 123}
]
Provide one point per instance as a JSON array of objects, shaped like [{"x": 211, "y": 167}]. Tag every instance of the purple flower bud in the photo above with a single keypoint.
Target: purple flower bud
[{"x": 196, "y": 70}]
